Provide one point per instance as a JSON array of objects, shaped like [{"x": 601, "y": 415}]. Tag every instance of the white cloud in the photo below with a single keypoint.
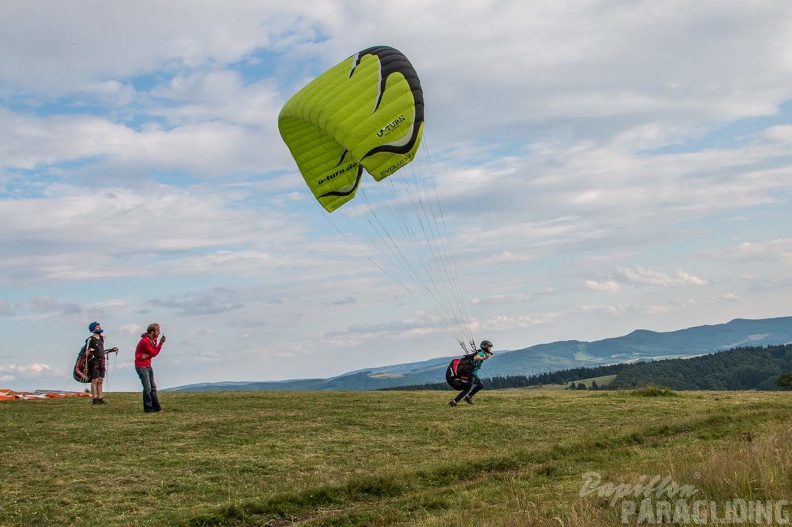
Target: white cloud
[
  {"x": 502, "y": 299},
  {"x": 646, "y": 277},
  {"x": 780, "y": 134},
  {"x": 655, "y": 309},
  {"x": 6, "y": 309},
  {"x": 504, "y": 322},
  {"x": 605, "y": 286},
  {"x": 24, "y": 372},
  {"x": 206, "y": 149},
  {"x": 779, "y": 250},
  {"x": 614, "y": 309}
]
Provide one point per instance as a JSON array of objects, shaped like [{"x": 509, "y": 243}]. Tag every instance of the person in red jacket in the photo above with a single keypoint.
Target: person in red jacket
[{"x": 147, "y": 349}]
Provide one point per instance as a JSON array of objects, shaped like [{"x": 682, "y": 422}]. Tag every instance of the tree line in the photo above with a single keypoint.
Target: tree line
[{"x": 744, "y": 368}]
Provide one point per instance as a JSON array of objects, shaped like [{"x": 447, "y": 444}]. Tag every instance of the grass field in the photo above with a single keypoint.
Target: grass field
[{"x": 516, "y": 458}]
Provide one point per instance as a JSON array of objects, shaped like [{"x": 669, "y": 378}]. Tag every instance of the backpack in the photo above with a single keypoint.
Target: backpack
[
  {"x": 459, "y": 371},
  {"x": 81, "y": 372}
]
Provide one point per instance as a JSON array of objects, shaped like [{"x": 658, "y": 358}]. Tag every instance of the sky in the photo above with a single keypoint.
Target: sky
[{"x": 603, "y": 166}]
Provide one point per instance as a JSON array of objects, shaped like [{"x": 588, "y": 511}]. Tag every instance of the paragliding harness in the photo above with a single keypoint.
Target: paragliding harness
[
  {"x": 459, "y": 372},
  {"x": 82, "y": 371}
]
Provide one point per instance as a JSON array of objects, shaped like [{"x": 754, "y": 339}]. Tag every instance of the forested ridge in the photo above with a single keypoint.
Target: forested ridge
[{"x": 744, "y": 368}]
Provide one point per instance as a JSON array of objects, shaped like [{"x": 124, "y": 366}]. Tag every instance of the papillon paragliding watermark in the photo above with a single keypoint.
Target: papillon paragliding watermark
[{"x": 658, "y": 500}]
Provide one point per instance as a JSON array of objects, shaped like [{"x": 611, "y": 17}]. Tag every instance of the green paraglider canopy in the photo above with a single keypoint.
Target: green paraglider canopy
[{"x": 367, "y": 112}]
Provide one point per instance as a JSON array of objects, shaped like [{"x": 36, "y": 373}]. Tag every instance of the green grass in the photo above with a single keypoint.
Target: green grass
[
  {"x": 654, "y": 391},
  {"x": 602, "y": 381},
  {"x": 378, "y": 458}
]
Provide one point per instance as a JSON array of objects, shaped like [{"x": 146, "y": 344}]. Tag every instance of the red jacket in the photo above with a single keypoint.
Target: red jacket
[{"x": 146, "y": 346}]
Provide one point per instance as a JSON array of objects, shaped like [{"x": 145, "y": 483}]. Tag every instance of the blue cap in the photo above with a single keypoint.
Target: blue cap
[{"x": 92, "y": 326}]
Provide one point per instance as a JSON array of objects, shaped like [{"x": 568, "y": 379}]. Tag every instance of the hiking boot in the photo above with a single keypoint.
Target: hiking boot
[
  {"x": 468, "y": 399},
  {"x": 95, "y": 401},
  {"x": 452, "y": 403}
]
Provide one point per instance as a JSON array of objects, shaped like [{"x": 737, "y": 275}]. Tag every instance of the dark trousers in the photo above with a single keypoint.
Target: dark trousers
[
  {"x": 475, "y": 386},
  {"x": 150, "y": 401}
]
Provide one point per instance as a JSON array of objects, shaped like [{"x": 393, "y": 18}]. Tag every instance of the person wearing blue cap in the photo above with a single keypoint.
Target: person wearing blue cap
[{"x": 95, "y": 350}]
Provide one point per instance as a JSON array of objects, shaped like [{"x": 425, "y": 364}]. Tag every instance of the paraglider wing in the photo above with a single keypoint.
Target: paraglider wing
[
  {"x": 367, "y": 112},
  {"x": 81, "y": 372}
]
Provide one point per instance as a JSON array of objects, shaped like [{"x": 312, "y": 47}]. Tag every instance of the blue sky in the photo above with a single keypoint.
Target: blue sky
[{"x": 603, "y": 166}]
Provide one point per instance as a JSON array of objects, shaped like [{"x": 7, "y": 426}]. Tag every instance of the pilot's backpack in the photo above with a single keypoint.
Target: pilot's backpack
[
  {"x": 81, "y": 372},
  {"x": 459, "y": 371}
]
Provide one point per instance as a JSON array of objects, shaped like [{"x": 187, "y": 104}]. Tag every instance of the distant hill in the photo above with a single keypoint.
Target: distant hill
[{"x": 640, "y": 345}]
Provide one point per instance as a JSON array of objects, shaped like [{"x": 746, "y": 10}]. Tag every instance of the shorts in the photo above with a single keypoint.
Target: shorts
[{"x": 96, "y": 370}]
